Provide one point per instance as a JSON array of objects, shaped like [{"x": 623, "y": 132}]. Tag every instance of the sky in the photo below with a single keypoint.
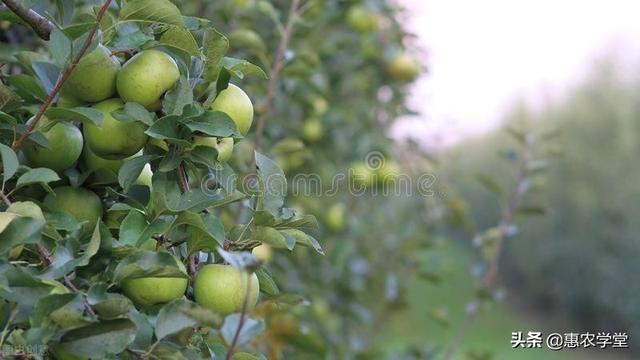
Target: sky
[{"x": 484, "y": 55}]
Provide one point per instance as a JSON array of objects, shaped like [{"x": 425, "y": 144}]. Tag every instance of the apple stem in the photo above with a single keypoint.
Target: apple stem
[
  {"x": 64, "y": 75},
  {"x": 243, "y": 314},
  {"x": 37, "y": 22}
]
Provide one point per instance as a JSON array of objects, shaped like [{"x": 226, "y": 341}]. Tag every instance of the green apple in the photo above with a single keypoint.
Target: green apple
[
  {"x": 361, "y": 19},
  {"x": 312, "y": 130},
  {"x": 68, "y": 102},
  {"x": 146, "y": 77},
  {"x": 403, "y": 68},
  {"x": 114, "y": 139},
  {"x": 84, "y": 205},
  {"x": 105, "y": 171},
  {"x": 94, "y": 78},
  {"x": 335, "y": 217},
  {"x": 148, "y": 291},
  {"x": 236, "y": 103},
  {"x": 362, "y": 175},
  {"x": 388, "y": 173},
  {"x": 222, "y": 288},
  {"x": 65, "y": 147},
  {"x": 224, "y": 146},
  {"x": 263, "y": 252}
]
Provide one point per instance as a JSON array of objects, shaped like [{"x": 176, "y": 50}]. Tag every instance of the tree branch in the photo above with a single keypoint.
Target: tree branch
[
  {"x": 275, "y": 72},
  {"x": 489, "y": 276},
  {"x": 37, "y": 22},
  {"x": 272, "y": 88},
  {"x": 64, "y": 75},
  {"x": 85, "y": 302},
  {"x": 243, "y": 314}
]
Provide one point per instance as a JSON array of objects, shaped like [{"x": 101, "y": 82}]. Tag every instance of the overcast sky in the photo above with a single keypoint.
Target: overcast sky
[{"x": 484, "y": 54}]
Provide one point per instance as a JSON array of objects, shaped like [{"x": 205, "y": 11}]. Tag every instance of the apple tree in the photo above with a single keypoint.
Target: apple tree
[{"x": 117, "y": 122}]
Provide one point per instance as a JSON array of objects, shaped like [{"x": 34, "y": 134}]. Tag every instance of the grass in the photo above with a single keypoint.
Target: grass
[{"x": 432, "y": 305}]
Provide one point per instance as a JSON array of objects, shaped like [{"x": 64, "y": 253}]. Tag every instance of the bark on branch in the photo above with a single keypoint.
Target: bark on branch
[{"x": 37, "y": 22}]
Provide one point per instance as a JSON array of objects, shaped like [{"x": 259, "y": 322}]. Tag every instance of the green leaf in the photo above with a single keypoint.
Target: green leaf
[
  {"x": 173, "y": 318},
  {"x": 113, "y": 306},
  {"x": 132, "y": 227},
  {"x": 131, "y": 169},
  {"x": 9, "y": 162},
  {"x": 74, "y": 31},
  {"x": 216, "y": 46},
  {"x": 99, "y": 340},
  {"x": 303, "y": 239},
  {"x": 273, "y": 184},
  {"x": 8, "y": 99},
  {"x": 47, "y": 73},
  {"x": 65, "y": 10},
  {"x": 37, "y": 176},
  {"x": 250, "y": 329},
  {"x": 133, "y": 112},
  {"x": 211, "y": 230},
  {"x": 267, "y": 285},
  {"x": 156, "y": 11},
  {"x": 214, "y": 123},
  {"x": 59, "y": 46},
  {"x": 21, "y": 230},
  {"x": 181, "y": 38},
  {"x": 490, "y": 183},
  {"x": 148, "y": 264},
  {"x": 272, "y": 237},
  {"x": 27, "y": 87},
  {"x": 178, "y": 97},
  {"x": 241, "y": 68},
  {"x": 129, "y": 36},
  {"x": 62, "y": 311},
  {"x": 532, "y": 210},
  {"x": 64, "y": 261},
  {"x": 84, "y": 115}
]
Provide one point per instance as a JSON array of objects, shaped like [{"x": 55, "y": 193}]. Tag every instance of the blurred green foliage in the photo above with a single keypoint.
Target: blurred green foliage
[{"x": 578, "y": 261}]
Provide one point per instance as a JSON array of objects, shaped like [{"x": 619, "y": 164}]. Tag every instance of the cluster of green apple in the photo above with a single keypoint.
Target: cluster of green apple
[{"x": 102, "y": 82}]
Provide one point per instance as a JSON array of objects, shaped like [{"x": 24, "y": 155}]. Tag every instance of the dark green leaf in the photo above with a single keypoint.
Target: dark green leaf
[
  {"x": 241, "y": 68},
  {"x": 273, "y": 184},
  {"x": 267, "y": 285},
  {"x": 79, "y": 114},
  {"x": 216, "y": 46},
  {"x": 21, "y": 230},
  {"x": 148, "y": 264},
  {"x": 59, "y": 46},
  {"x": 178, "y": 97},
  {"x": 9, "y": 162},
  {"x": 131, "y": 169},
  {"x": 37, "y": 176},
  {"x": 99, "y": 340}
]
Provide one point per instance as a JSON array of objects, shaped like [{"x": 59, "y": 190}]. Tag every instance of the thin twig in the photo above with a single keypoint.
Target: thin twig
[
  {"x": 243, "y": 314},
  {"x": 37, "y": 22},
  {"x": 275, "y": 71},
  {"x": 85, "y": 302},
  {"x": 64, "y": 75},
  {"x": 45, "y": 255},
  {"x": 272, "y": 88},
  {"x": 492, "y": 267},
  {"x": 5, "y": 199}
]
